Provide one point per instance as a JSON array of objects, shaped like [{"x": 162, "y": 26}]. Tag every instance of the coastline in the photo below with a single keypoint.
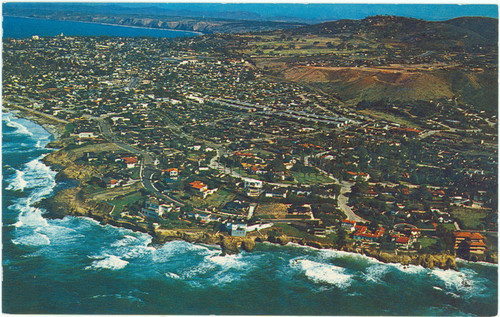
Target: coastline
[
  {"x": 52, "y": 126},
  {"x": 110, "y": 24},
  {"x": 66, "y": 202}
]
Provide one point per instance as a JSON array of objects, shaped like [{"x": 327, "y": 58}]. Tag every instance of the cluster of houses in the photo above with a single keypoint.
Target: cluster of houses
[
  {"x": 469, "y": 243},
  {"x": 403, "y": 236}
]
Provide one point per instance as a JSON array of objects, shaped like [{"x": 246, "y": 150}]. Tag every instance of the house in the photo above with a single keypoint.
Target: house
[
  {"x": 348, "y": 225},
  {"x": 250, "y": 183},
  {"x": 152, "y": 208},
  {"x": 110, "y": 182},
  {"x": 402, "y": 242},
  {"x": 237, "y": 229},
  {"x": 362, "y": 233},
  {"x": 201, "y": 189},
  {"x": 131, "y": 161},
  {"x": 253, "y": 186},
  {"x": 360, "y": 175},
  {"x": 259, "y": 226},
  {"x": 173, "y": 172},
  {"x": 469, "y": 242},
  {"x": 276, "y": 192},
  {"x": 86, "y": 135}
]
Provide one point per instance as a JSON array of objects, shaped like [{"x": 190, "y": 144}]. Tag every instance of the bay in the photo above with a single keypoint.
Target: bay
[{"x": 16, "y": 27}]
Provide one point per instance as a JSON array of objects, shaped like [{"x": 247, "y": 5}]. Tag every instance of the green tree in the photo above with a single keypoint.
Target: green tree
[{"x": 341, "y": 238}]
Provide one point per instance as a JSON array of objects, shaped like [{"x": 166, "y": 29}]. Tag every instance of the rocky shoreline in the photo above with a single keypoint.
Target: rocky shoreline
[{"x": 72, "y": 202}]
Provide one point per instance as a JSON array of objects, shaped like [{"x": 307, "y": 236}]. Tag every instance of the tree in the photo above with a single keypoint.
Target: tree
[
  {"x": 447, "y": 239},
  {"x": 341, "y": 238}
]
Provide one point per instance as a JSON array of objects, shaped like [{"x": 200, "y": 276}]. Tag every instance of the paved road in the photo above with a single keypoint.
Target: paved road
[
  {"x": 38, "y": 113},
  {"x": 342, "y": 202},
  {"x": 148, "y": 159}
]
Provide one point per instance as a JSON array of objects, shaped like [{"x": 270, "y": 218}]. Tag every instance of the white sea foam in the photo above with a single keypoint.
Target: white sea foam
[
  {"x": 323, "y": 273},
  {"x": 459, "y": 260},
  {"x": 18, "y": 183},
  {"x": 111, "y": 262},
  {"x": 172, "y": 249},
  {"x": 35, "y": 239},
  {"x": 376, "y": 272},
  {"x": 330, "y": 253},
  {"x": 126, "y": 240},
  {"x": 172, "y": 275},
  {"x": 21, "y": 129},
  {"x": 409, "y": 269},
  {"x": 227, "y": 261}
]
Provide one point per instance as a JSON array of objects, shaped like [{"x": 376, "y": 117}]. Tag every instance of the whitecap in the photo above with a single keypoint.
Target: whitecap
[
  {"x": 375, "y": 273},
  {"x": 323, "y": 273},
  {"x": 35, "y": 239},
  {"x": 21, "y": 129},
  {"x": 227, "y": 261},
  {"x": 409, "y": 269},
  {"x": 126, "y": 240},
  {"x": 459, "y": 260},
  {"x": 18, "y": 183},
  {"x": 111, "y": 262},
  {"x": 172, "y": 275}
]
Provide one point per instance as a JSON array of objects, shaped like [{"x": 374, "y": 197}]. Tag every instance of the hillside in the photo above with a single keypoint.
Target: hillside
[
  {"x": 385, "y": 58},
  {"x": 149, "y": 17}
]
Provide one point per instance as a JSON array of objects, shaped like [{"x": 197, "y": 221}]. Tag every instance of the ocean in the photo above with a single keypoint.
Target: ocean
[
  {"x": 15, "y": 27},
  {"x": 75, "y": 265}
]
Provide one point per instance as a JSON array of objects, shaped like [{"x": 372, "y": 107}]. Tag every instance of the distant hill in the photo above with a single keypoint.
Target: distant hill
[
  {"x": 144, "y": 16},
  {"x": 466, "y": 31},
  {"x": 388, "y": 58}
]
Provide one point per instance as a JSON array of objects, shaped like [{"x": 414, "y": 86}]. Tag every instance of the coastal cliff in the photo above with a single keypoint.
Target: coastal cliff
[{"x": 72, "y": 202}]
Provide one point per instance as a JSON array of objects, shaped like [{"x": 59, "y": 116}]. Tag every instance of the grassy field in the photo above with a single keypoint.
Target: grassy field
[
  {"x": 389, "y": 117},
  {"x": 426, "y": 241},
  {"x": 120, "y": 203},
  {"x": 276, "y": 210},
  {"x": 218, "y": 199},
  {"x": 111, "y": 193},
  {"x": 470, "y": 217},
  {"x": 315, "y": 178},
  {"x": 95, "y": 148},
  {"x": 294, "y": 232}
]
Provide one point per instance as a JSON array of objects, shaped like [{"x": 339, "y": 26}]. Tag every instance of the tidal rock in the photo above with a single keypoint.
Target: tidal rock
[
  {"x": 229, "y": 246},
  {"x": 248, "y": 244}
]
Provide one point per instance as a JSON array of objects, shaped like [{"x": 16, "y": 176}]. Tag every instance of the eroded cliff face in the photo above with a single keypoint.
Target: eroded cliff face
[
  {"x": 442, "y": 261},
  {"x": 65, "y": 161},
  {"x": 72, "y": 202}
]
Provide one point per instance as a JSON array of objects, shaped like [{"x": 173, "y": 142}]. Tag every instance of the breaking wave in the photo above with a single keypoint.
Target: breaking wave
[
  {"x": 20, "y": 129},
  {"x": 323, "y": 273},
  {"x": 111, "y": 262}
]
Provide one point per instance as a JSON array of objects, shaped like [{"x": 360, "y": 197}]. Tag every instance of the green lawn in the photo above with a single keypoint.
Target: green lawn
[
  {"x": 426, "y": 241},
  {"x": 136, "y": 172},
  {"x": 471, "y": 218},
  {"x": 120, "y": 203},
  {"x": 218, "y": 199},
  {"x": 312, "y": 178},
  {"x": 294, "y": 232}
]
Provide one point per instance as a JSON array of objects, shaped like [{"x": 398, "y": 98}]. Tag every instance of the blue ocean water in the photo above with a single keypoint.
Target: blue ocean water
[
  {"x": 14, "y": 27},
  {"x": 75, "y": 265}
]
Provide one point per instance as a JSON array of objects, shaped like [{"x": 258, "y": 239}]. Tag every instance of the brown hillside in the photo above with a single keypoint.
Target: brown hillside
[{"x": 375, "y": 84}]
